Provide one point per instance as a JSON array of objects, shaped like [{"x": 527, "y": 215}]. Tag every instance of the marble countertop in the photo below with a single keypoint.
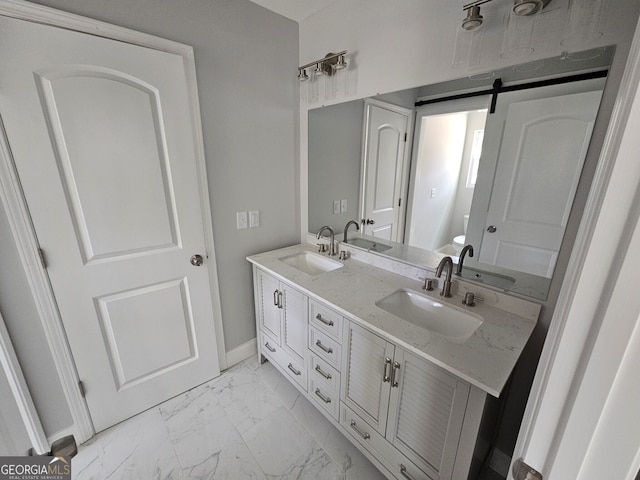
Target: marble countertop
[{"x": 485, "y": 360}]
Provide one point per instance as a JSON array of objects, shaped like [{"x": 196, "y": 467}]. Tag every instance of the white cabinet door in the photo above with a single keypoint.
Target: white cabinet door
[
  {"x": 269, "y": 299},
  {"x": 294, "y": 320},
  {"x": 367, "y": 375},
  {"x": 104, "y": 142},
  {"x": 426, "y": 412}
]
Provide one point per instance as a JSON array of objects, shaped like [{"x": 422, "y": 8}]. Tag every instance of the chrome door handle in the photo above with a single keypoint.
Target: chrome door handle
[
  {"x": 322, "y": 347},
  {"x": 297, "y": 372},
  {"x": 196, "y": 260},
  {"x": 275, "y": 297},
  {"x": 326, "y": 322},
  {"x": 396, "y": 368},
  {"x": 279, "y": 299},
  {"x": 370, "y": 222},
  {"x": 269, "y": 347},
  {"x": 322, "y": 397},
  {"x": 491, "y": 229},
  {"x": 385, "y": 375},
  {"x": 364, "y": 435}
]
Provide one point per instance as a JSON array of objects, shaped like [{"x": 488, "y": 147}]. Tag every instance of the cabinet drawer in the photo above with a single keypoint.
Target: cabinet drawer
[
  {"x": 362, "y": 432},
  {"x": 401, "y": 467},
  {"x": 326, "y": 319},
  {"x": 326, "y": 398},
  {"x": 290, "y": 365},
  {"x": 324, "y": 374},
  {"x": 325, "y": 347}
]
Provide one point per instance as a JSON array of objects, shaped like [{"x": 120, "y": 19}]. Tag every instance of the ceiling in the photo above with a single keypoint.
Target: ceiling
[{"x": 294, "y": 9}]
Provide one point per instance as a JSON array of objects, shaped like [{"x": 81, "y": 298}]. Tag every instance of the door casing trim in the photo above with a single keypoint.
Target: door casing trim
[{"x": 20, "y": 221}]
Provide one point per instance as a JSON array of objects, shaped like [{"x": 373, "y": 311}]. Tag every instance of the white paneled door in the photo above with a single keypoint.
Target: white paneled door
[
  {"x": 102, "y": 135},
  {"x": 544, "y": 144},
  {"x": 385, "y": 169}
]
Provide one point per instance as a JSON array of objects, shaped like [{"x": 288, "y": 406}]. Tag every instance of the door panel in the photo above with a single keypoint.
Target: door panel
[
  {"x": 540, "y": 159},
  {"x": 385, "y": 168},
  {"x": 102, "y": 136},
  {"x": 101, "y": 167}
]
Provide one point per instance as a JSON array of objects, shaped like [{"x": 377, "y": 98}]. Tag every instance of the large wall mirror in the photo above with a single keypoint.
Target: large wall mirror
[{"x": 493, "y": 164}]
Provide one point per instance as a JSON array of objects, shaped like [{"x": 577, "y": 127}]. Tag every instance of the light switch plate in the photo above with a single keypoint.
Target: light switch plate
[
  {"x": 254, "y": 218},
  {"x": 241, "y": 220},
  {"x": 336, "y": 206}
]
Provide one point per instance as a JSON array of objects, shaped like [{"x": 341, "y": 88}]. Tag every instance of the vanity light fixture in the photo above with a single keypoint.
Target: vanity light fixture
[
  {"x": 473, "y": 19},
  {"x": 324, "y": 66},
  {"x": 528, "y": 7},
  {"x": 520, "y": 7}
]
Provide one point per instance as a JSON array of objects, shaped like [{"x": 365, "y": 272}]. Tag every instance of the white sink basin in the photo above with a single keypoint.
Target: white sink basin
[
  {"x": 311, "y": 263},
  {"x": 428, "y": 313}
]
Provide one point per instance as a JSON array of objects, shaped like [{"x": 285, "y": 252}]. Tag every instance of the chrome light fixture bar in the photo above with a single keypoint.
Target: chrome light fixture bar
[
  {"x": 324, "y": 66},
  {"x": 520, "y": 7}
]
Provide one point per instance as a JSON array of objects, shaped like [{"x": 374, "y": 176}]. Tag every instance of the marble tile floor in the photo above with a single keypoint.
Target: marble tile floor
[{"x": 249, "y": 423}]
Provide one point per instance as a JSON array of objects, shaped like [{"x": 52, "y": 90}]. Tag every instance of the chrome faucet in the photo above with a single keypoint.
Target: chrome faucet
[
  {"x": 446, "y": 288},
  {"x": 332, "y": 246},
  {"x": 346, "y": 227},
  {"x": 467, "y": 248}
]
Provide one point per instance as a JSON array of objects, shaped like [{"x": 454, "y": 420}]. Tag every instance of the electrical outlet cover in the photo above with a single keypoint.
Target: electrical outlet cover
[
  {"x": 254, "y": 218},
  {"x": 241, "y": 220},
  {"x": 343, "y": 206},
  {"x": 336, "y": 206}
]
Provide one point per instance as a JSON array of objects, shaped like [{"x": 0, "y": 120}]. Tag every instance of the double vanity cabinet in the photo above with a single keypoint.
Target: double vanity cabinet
[{"x": 371, "y": 373}]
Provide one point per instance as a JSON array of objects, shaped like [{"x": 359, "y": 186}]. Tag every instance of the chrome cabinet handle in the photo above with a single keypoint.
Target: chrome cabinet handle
[
  {"x": 297, "y": 372},
  {"x": 364, "y": 435},
  {"x": 269, "y": 347},
  {"x": 385, "y": 375},
  {"x": 322, "y": 397},
  {"x": 279, "y": 299},
  {"x": 323, "y": 373},
  {"x": 396, "y": 368},
  {"x": 322, "y": 347},
  {"x": 325, "y": 321},
  {"x": 275, "y": 297},
  {"x": 491, "y": 229},
  {"x": 403, "y": 472},
  {"x": 196, "y": 260}
]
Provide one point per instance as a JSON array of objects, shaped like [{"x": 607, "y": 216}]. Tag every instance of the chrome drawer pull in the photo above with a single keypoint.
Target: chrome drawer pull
[
  {"x": 297, "y": 372},
  {"x": 403, "y": 472},
  {"x": 275, "y": 297},
  {"x": 323, "y": 373},
  {"x": 364, "y": 435},
  {"x": 279, "y": 299},
  {"x": 326, "y": 322},
  {"x": 269, "y": 347},
  {"x": 385, "y": 375},
  {"x": 322, "y": 347},
  {"x": 396, "y": 368},
  {"x": 322, "y": 397}
]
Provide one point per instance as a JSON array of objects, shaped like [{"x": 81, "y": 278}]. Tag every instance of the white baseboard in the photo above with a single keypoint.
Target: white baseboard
[
  {"x": 500, "y": 462},
  {"x": 242, "y": 352}
]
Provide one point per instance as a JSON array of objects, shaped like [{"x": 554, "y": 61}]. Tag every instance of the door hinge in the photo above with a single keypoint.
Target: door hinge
[
  {"x": 43, "y": 260},
  {"x": 83, "y": 392}
]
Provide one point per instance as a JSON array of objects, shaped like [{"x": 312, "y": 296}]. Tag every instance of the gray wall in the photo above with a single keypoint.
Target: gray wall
[
  {"x": 335, "y": 152},
  {"x": 246, "y": 59}
]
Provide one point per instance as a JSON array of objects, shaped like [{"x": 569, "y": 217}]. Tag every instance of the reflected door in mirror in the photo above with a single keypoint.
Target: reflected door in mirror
[{"x": 544, "y": 143}]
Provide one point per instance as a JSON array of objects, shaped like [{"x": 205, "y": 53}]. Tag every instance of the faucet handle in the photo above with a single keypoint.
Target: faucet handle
[
  {"x": 322, "y": 247},
  {"x": 428, "y": 284}
]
